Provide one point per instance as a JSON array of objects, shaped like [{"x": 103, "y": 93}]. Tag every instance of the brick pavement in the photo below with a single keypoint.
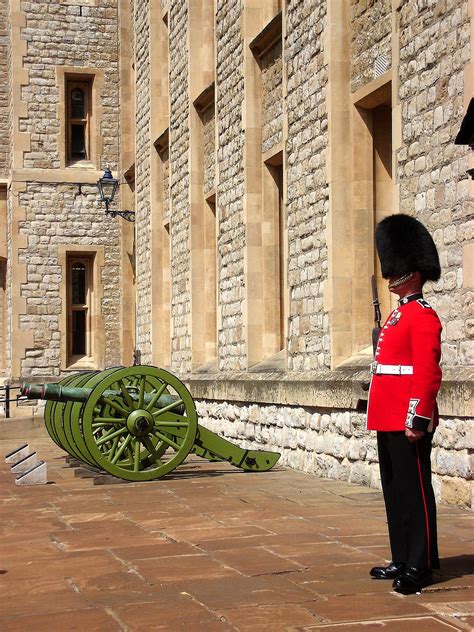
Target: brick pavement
[{"x": 209, "y": 549}]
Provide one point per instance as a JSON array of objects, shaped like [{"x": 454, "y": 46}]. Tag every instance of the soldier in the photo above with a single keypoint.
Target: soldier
[{"x": 402, "y": 402}]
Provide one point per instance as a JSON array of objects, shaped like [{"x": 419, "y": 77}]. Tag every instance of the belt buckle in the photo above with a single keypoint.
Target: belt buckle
[{"x": 373, "y": 367}]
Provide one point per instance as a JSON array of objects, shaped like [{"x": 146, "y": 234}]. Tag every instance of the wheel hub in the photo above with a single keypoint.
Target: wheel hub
[{"x": 140, "y": 422}]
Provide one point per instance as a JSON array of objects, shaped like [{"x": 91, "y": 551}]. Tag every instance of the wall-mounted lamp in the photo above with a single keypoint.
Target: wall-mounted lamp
[{"x": 107, "y": 186}]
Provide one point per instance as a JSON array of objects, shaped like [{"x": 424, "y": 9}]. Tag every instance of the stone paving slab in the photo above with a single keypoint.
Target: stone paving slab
[{"x": 208, "y": 549}]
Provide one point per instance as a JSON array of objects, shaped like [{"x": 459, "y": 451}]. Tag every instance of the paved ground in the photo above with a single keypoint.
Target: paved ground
[{"x": 211, "y": 549}]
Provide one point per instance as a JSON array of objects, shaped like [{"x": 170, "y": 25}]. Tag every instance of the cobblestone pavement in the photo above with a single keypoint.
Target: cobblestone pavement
[{"x": 211, "y": 548}]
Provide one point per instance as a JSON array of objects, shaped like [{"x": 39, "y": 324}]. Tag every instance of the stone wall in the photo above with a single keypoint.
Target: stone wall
[
  {"x": 165, "y": 160},
  {"x": 327, "y": 438},
  {"x": 67, "y": 220},
  {"x": 434, "y": 51},
  {"x": 142, "y": 181},
  {"x": 4, "y": 82},
  {"x": 335, "y": 444},
  {"x": 67, "y": 35},
  {"x": 209, "y": 147},
  {"x": 55, "y": 210},
  {"x": 179, "y": 186},
  {"x": 3, "y": 313},
  {"x": 371, "y": 46},
  {"x": 307, "y": 190},
  {"x": 230, "y": 193},
  {"x": 272, "y": 97}
]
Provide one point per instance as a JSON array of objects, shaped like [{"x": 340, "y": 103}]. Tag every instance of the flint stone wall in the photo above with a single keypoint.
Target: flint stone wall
[
  {"x": 307, "y": 189},
  {"x": 434, "y": 51},
  {"x": 179, "y": 185},
  {"x": 56, "y": 214},
  {"x": 67, "y": 219},
  {"x": 165, "y": 162},
  {"x": 272, "y": 97},
  {"x": 371, "y": 46},
  {"x": 209, "y": 147},
  {"x": 8, "y": 283},
  {"x": 142, "y": 181},
  {"x": 4, "y": 83},
  {"x": 230, "y": 194},
  {"x": 336, "y": 444},
  {"x": 67, "y": 35}
]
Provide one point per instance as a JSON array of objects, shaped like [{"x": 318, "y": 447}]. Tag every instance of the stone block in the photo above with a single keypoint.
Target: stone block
[
  {"x": 453, "y": 463},
  {"x": 25, "y": 464},
  {"x": 455, "y": 491},
  {"x": 18, "y": 454},
  {"x": 36, "y": 475}
]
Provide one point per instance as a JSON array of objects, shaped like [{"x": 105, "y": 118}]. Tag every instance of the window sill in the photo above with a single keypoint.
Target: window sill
[
  {"x": 82, "y": 364},
  {"x": 359, "y": 360},
  {"x": 276, "y": 362},
  {"x": 80, "y": 164}
]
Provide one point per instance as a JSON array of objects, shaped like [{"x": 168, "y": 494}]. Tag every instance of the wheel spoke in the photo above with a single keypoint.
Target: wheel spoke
[
  {"x": 130, "y": 451},
  {"x": 111, "y": 435},
  {"x": 167, "y": 408},
  {"x": 171, "y": 424},
  {"x": 167, "y": 440},
  {"x": 151, "y": 449},
  {"x": 114, "y": 405},
  {"x": 107, "y": 421},
  {"x": 136, "y": 456},
  {"x": 113, "y": 446},
  {"x": 126, "y": 395},
  {"x": 155, "y": 398},
  {"x": 141, "y": 395},
  {"x": 121, "y": 449}
]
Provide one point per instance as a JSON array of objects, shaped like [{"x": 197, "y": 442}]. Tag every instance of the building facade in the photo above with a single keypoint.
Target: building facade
[
  {"x": 59, "y": 119},
  {"x": 258, "y": 142}
]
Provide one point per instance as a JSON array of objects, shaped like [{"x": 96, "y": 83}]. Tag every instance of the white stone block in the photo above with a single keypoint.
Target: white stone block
[
  {"x": 37, "y": 475},
  {"x": 17, "y": 454},
  {"x": 25, "y": 464}
]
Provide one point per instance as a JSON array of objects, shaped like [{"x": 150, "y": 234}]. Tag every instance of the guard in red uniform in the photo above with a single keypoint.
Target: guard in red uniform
[{"x": 402, "y": 402}]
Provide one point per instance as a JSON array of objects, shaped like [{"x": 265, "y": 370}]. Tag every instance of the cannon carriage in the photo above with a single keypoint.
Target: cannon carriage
[{"x": 137, "y": 423}]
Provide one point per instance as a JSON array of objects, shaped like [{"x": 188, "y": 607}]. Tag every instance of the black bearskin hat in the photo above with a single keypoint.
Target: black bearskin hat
[{"x": 404, "y": 245}]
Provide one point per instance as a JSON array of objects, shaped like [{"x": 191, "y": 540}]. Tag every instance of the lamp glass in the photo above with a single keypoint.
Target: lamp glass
[{"x": 107, "y": 186}]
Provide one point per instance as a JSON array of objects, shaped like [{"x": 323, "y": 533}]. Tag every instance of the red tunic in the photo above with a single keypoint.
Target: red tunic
[{"x": 410, "y": 337}]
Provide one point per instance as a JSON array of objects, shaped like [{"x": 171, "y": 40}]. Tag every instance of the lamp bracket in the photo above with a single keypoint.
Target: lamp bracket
[{"x": 129, "y": 216}]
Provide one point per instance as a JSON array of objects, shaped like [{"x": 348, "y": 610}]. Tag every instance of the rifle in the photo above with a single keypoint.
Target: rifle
[{"x": 377, "y": 314}]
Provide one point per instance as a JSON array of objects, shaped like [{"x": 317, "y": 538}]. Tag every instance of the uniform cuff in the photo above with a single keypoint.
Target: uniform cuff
[{"x": 418, "y": 423}]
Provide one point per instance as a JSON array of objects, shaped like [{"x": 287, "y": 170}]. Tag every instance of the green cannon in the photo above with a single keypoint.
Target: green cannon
[{"x": 137, "y": 423}]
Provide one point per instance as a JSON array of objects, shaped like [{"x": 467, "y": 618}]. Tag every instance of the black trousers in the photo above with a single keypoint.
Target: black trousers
[{"x": 405, "y": 470}]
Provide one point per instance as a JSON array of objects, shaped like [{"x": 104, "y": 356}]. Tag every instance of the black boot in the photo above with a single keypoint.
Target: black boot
[
  {"x": 413, "y": 580},
  {"x": 391, "y": 571}
]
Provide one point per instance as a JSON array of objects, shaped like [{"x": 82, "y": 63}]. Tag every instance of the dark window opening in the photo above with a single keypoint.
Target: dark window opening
[
  {"x": 78, "y": 284},
  {"x": 78, "y": 142},
  {"x": 79, "y": 280},
  {"x": 79, "y": 333},
  {"x": 77, "y": 103}
]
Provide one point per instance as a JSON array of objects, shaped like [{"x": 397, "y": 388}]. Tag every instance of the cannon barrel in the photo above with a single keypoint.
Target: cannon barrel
[{"x": 58, "y": 393}]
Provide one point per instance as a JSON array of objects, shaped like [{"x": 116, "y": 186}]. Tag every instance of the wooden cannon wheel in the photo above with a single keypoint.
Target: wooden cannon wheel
[
  {"x": 50, "y": 413},
  {"x": 64, "y": 423},
  {"x": 131, "y": 436}
]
